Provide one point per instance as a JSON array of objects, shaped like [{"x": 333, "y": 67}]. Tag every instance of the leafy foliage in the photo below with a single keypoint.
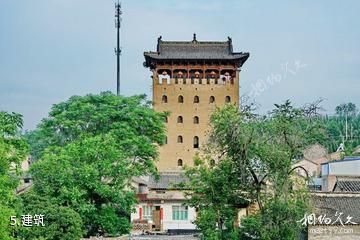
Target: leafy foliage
[
  {"x": 212, "y": 192},
  {"x": 342, "y": 128},
  {"x": 91, "y": 148},
  {"x": 255, "y": 157},
  {"x": 60, "y": 222},
  {"x": 13, "y": 150}
]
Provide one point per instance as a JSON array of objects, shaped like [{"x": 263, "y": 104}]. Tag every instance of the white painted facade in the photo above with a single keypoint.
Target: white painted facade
[
  {"x": 167, "y": 216},
  {"x": 342, "y": 168},
  {"x": 349, "y": 167}
]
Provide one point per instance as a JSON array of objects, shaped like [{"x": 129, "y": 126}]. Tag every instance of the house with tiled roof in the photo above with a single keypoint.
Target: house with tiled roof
[
  {"x": 347, "y": 184},
  {"x": 336, "y": 215},
  {"x": 338, "y": 206},
  {"x": 313, "y": 157},
  {"x": 161, "y": 205},
  {"x": 340, "y": 175}
]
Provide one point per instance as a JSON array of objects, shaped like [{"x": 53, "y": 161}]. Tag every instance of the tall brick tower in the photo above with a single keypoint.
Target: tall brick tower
[{"x": 191, "y": 78}]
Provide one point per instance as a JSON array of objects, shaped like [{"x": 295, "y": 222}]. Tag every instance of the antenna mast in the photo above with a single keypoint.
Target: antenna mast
[{"x": 118, "y": 49}]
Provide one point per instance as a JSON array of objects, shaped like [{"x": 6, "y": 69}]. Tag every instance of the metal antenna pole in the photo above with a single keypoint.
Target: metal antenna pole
[{"x": 118, "y": 49}]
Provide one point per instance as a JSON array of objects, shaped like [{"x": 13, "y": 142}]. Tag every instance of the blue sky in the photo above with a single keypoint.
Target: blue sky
[{"x": 53, "y": 49}]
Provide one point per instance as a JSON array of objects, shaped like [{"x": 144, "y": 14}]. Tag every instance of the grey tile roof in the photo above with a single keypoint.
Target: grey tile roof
[
  {"x": 347, "y": 185},
  {"x": 330, "y": 203},
  {"x": 167, "y": 181},
  {"x": 211, "y": 50}
]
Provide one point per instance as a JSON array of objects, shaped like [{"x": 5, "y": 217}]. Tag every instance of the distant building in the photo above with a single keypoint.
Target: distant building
[
  {"x": 340, "y": 174},
  {"x": 191, "y": 79},
  {"x": 314, "y": 156},
  {"x": 25, "y": 177}
]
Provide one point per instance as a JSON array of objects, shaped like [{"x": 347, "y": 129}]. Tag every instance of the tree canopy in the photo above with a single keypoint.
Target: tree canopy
[
  {"x": 60, "y": 222},
  {"x": 341, "y": 128},
  {"x": 90, "y": 148},
  {"x": 13, "y": 150},
  {"x": 255, "y": 155}
]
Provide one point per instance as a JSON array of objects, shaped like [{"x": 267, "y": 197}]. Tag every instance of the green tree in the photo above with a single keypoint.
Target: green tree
[
  {"x": 60, "y": 222},
  {"x": 347, "y": 113},
  {"x": 91, "y": 148},
  {"x": 346, "y": 109},
  {"x": 214, "y": 192},
  {"x": 344, "y": 127},
  {"x": 13, "y": 151},
  {"x": 255, "y": 157}
]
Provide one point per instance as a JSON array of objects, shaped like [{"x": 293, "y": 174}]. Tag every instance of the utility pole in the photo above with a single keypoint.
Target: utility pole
[
  {"x": 118, "y": 49},
  {"x": 346, "y": 125}
]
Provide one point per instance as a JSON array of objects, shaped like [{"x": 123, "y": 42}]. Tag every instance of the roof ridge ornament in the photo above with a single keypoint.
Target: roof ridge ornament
[
  {"x": 194, "y": 37},
  {"x": 158, "y": 44},
  {"x": 230, "y": 44}
]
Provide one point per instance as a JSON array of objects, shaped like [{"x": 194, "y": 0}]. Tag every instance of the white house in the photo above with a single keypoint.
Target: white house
[
  {"x": 338, "y": 171},
  {"x": 161, "y": 206}
]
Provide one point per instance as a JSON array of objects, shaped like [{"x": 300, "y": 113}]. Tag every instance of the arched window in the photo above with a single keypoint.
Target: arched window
[
  {"x": 196, "y": 99},
  {"x": 164, "y": 99},
  {"x": 180, "y": 162},
  {"x": 227, "y": 99},
  {"x": 180, "y": 99},
  {"x": 212, "y": 99},
  {"x": 165, "y": 119},
  {"x": 165, "y": 140},
  {"x": 196, "y": 120},
  {"x": 179, "y": 139},
  {"x": 196, "y": 142},
  {"x": 180, "y": 119}
]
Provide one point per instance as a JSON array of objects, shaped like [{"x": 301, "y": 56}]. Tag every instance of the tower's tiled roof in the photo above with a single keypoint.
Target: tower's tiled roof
[{"x": 195, "y": 50}]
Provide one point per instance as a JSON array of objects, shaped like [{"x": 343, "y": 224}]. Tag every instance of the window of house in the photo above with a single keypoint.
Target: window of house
[
  {"x": 180, "y": 99},
  {"x": 147, "y": 212},
  {"x": 180, "y": 163},
  {"x": 165, "y": 140},
  {"x": 196, "y": 142},
  {"x": 227, "y": 99},
  {"x": 164, "y": 99},
  {"x": 196, "y": 99},
  {"x": 179, "y": 139},
  {"x": 212, "y": 99},
  {"x": 165, "y": 119},
  {"x": 180, "y": 119},
  {"x": 179, "y": 213},
  {"x": 196, "y": 120}
]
